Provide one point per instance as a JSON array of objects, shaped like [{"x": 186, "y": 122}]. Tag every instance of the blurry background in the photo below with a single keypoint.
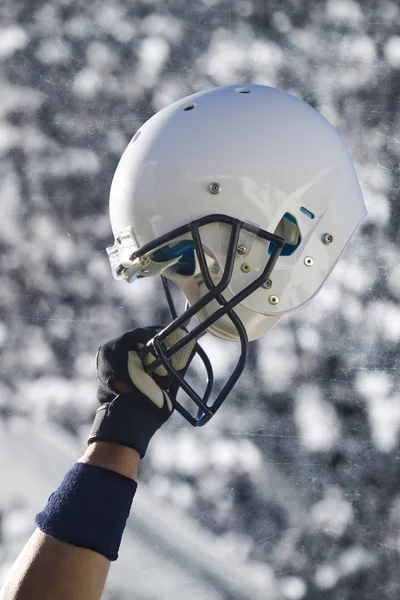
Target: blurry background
[{"x": 297, "y": 478}]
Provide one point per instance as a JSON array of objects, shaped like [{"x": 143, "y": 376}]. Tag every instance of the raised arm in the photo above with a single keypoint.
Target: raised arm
[
  {"x": 50, "y": 569},
  {"x": 80, "y": 530}
]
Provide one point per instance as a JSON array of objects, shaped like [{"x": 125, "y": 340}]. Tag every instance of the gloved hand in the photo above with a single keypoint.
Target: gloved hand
[{"x": 132, "y": 417}]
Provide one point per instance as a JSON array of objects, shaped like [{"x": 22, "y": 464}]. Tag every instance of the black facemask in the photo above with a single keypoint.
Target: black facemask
[{"x": 215, "y": 292}]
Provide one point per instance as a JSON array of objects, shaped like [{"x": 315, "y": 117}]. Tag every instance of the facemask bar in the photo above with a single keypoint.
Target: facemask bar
[
  {"x": 173, "y": 390},
  {"x": 207, "y": 412},
  {"x": 156, "y": 345}
]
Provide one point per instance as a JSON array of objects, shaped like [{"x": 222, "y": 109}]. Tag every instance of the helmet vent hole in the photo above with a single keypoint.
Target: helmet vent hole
[
  {"x": 307, "y": 212},
  {"x": 136, "y": 136},
  {"x": 190, "y": 106},
  {"x": 243, "y": 90}
]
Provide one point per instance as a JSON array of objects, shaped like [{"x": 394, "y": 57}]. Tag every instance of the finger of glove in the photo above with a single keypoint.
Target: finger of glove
[
  {"x": 179, "y": 359},
  {"x": 112, "y": 357},
  {"x": 117, "y": 360},
  {"x": 112, "y": 363},
  {"x": 145, "y": 383}
]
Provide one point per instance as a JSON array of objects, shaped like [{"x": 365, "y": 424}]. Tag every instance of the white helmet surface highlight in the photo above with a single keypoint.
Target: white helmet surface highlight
[{"x": 253, "y": 153}]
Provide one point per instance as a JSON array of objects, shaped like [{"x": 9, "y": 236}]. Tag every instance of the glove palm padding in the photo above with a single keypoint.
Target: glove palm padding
[{"x": 132, "y": 418}]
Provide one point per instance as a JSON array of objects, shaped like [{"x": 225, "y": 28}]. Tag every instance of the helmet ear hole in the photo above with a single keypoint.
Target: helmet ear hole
[
  {"x": 289, "y": 230},
  {"x": 184, "y": 250}
]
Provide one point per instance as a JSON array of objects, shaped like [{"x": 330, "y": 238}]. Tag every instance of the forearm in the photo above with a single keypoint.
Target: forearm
[
  {"x": 49, "y": 569},
  {"x": 76, "y": 573},
  {"x": 120, "y": 459}
]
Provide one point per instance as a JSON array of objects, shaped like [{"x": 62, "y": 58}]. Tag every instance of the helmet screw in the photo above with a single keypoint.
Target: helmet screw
[
  {"x": 242, "y": 249},
  {"x": 308, "y": 261},
  {"x": 267, "y": 284},
  {"x": 246, "y": 268},
  {"x": 273, "y": 299},
  {"x": 214, "y": 187},
  {"x": 327, "y": 239}
]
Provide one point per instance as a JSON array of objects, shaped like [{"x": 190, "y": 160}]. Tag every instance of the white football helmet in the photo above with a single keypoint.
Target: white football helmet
[{"x": 245, "y": 197}]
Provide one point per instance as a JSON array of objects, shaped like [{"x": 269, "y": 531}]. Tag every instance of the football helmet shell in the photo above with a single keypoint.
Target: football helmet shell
[{"x": 257, "y": 156}]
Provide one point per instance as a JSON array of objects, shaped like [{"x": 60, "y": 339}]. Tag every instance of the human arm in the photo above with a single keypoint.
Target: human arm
[{"x": 50, "y": 569}]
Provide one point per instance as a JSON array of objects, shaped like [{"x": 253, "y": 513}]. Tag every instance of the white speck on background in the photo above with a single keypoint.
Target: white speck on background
[
  {"x": 293, "y": 588},
  {"x": 326, "y": 576},
  {"x": 392, "y": 51},
  {"x": 12, "y": 38},
  {"x": 316, "y": 419},
  {"x": 333, "y": 514},
  {"x": 383, "y": 408},
  {"x": 378, "y": 207},
  {"x": 344, "y": 11}
]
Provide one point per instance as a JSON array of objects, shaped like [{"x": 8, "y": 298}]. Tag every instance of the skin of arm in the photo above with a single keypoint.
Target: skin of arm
[{"x": 48, "y": 569}]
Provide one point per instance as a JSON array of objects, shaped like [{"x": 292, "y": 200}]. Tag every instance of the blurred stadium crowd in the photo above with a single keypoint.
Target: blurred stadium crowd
[{"x": 304, "y": 475}]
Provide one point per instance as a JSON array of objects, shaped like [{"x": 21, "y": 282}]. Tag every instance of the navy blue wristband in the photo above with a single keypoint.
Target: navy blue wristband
[{"x": 89, "y": 509}]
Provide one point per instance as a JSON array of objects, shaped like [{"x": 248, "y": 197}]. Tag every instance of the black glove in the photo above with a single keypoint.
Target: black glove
[{"x": 131, "y": 418}]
